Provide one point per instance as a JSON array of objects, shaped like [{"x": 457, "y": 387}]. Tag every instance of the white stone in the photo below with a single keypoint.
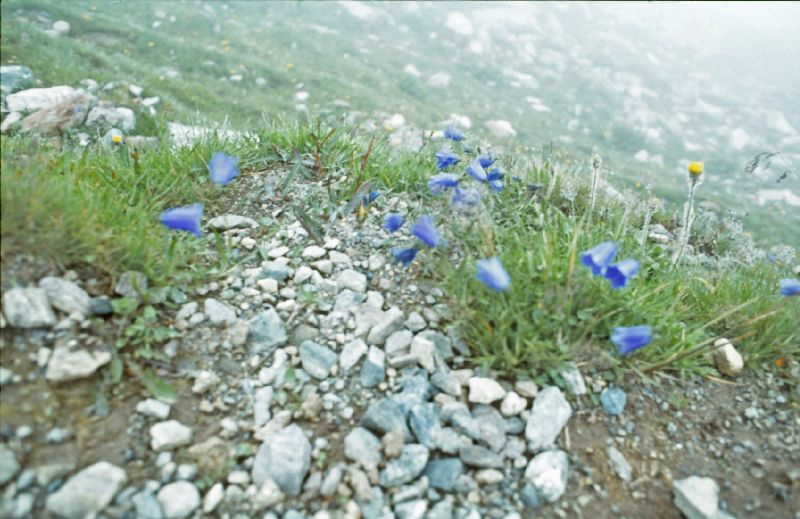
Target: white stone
[
  {"x": 169, "y": 435},
  {"x": 549, "y": 415},
  {"x": 376, "y": 262},
  {"x": 489, "y": 477},
  {"x": 548, "y": 473},
  {"x": 34, "y": 99},
  {"x": 135, "y": 90},
  {"x": 204, "y": 380},
  {"x": 727, "y": 359},
  {"x": 61, "y": 26},
  {"x": 459, "y": 23},
  {"x": 28, "y": 308},
  {"x": 9, "y": 121},
  {"x": 352, "y": 280},
  {"x": 88, "y": 492},
  {"x": 232, "y": 221},
  {"x": 65, "y": 295},
  {"x": 619, "y": 464},
  {"x": 101, "y": 117},
  {"x": 398, "y": 342},
  {"x": 67, "y": 364},
  {"x": 573, "y": 378},
  {"x": 485, "y": 390},
  {"x": 352, "y": 353},
  {"x": 526, "y": 388},
  {"x": 154, "y": 408},
  {"x": 313, "y": 252},
  {"x": 268, "y": 285},
  {"x": 248, "y": 243},
  {"x": 500, "y": 128},
  {"x": 179, "y": 499},
  {"x": 512, "y": 404},
  {"x": 424, "y": 351},
  {"x": 213, "y": 498},
  {"x": 302, "y": 274},
  {"x": 698, "y": 498},
  {"x": 219, "y": 313},
  {"x": 269, "y": 494}
]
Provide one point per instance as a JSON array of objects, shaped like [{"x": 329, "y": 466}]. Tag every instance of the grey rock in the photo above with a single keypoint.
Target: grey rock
[
  {"x": 385, "y": 416},
  {"x": 275, "y": 270},
  {"x": 374, "y": 369},
  {"x": 88, "y": 492},
  {"x": 352, "y": 353},
  {"x": 618, "y": 463},
  {"x": 179, "y": 499},
  {"x": 573, "y": 378},
  {"x": 351, "y": 280},
  {"x": 317, "y": 360},
  {"x": 412, "y": 461},
  {"x": 68, "y": 364},
  {"x": 131, "y": 284},
  {"x": 100, "y": 306},
  {"x": 266, "y": 332},
  {"x": 372, "y": 508},
  {"x": 65, "y": 295},
  {"x": 444, "y": 345},
  {"x": 613, "y": 400},
  {"x": 214, "y": 497},
  {"x": 331, "y": 481},
  {"x": 59, "y": 118},
  {"x": 219, "y": 313},
  {"x": 698, "y": 498},
  {"x": 415, "y": 389},
  {"x": 441, "y": 510},
  {"x": 168, "y": 435},
  {"x": 491, "y": 427},
  {"x": 480, "y": 457},
  {"x": 8, "y": 464},
  {"x": 154, "y": 408},
  {"x": 363, "y": 447},
  {"x": 28, "y": 308},
  {"x": 549, "y": 415},
  {"x": 6, "y": 376},
  {"x": 425, "y": 424},
  {"x": 485, "y": 390},
  {"x": 347, "y": 301},
  {"x": 14, "y": 78},
  {"x": 389, "y": 322},
  {"x": 232, "y": 221},
  {"x": 261, "y": 402},
  {"x": 398, "y": 343},
  {"x": 448, "y": 440},
  {"x": 415, "y": 322},
  {"x": 9, "y": 121},
  {"x": 34, "y": 99},
  {"x": 284, "y": 457},
  {"x": 411, "y": 509},
  {"x": 443, "y": 379},
  {"x": 443, "y": 473},
  {"x": 530, "y": 496},
  {"x": 513, "y": 404},
  {"x": 548, "y": 473},
  {"x": 102, "y": 118},
  {"x": 147, "y": 505}
]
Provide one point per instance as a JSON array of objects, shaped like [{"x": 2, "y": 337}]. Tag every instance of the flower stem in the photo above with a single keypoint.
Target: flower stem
[
  {"x": 646, "y": 229},
  {"x": 594, "y": 190},
  {"x": 688, "y": 218}
]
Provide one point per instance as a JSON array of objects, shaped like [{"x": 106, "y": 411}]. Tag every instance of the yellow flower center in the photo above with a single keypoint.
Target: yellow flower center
[
  {"x": 696, "y": 168},
  {"x": 116, "y": 138}
]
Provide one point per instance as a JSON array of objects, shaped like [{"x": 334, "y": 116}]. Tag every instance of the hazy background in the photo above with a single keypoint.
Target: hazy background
[{"x": 649, "y": 86}]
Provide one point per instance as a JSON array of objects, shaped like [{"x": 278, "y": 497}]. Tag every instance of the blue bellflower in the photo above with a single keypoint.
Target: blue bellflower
[
  {"x": 367, "y": 199},
  {"x": 445, "y": 158},
  {"x": 476, "y": 171},
  {"x": 491, "y": 273},
  {"x": 485, "y": 161},
  {"x": 393, "y": 221},
  {"x": 426, "y": 231},
  {"x": 598, "y": 258},
  {"x": 631, "y": 338},
  {"x": 222, "y": 168},
  {"x": 465, "y": 198},
  {"x": 495, "y": 179},
  {"x": 442, "y": 182},
  {"x": 453, "y": 133},
  {"x": 619, "y": 275},
  {"x": 186, "y": 218},
  {"x": 404, "y": 256},
  {"x": 790, "y": 287}
]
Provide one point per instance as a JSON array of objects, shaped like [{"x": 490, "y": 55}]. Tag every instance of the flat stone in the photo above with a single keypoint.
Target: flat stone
[
  {"x": 352, "y": 353},
  {"x": 313, "y": 252},
  {"x": 266, "y": 332},
  {"x": 480, "y": 457},
  {"x": 513, "y": 404},
  {"x": 179, "y": 499},
  {"x": 548, "y": 473},
  {"x": 485, "y": 390},
  {"x": 549, "y": 415},
  {"x": 317, "y": 360},
  {"x": 8, "y": 464},
  {"x": 88, "y": 492},
  {"x": 352, "y": 280},
  {"x": 374, "y": 369},
  {"x": 68, "y": 364},
  {"x": 363, "y": 447},
  {"x": 154, "y": 408},
  {"x": 65, "y": 295},
  {"x": 385, "y": 415},
  {"x": 388, "y": 323},
  {"x": 573, "y": 378},
  {"x": 284, "y": 457},
  {"x": 227, "y": 222},
  {"x": 168, "y": 435},
  {"x": 613, "y": 400},
  {"x": 424, "y": 422},
  {"x": 398, "y": 343},
  {"x": 727, "y": 359},
  {"x": 59, "y": 118},
  {"x": 219, "y": 313},
  {"x": 443, "y": 473},
  {"x": 424, "y": 351},
  {"x": 412, "y": 461},
  {"x": 618, "y": 463},
  {"x": 147, "y": 505},
  {"x": 698, "y": 498},
  {"x": 28, "y": 308},
  {"x": 34, "y": 99}
]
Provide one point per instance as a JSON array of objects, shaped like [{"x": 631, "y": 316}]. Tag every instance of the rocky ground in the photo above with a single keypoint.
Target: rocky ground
[{"x": 323, "y": 380}]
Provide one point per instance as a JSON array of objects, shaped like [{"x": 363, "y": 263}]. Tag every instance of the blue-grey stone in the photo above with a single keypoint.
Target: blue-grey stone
[
  {"x": 411, "y": 509},
  {"x": 372, "y": 509},
  {"x": 277, "y": 271},
  {"x": 285, "y": 457},
  {"x": 14, "y": 78},
  {"x": 492, "y": 426},
  {"x": 317, "y": 360},
  {"x": 613, "y": 400},
  {"x": 443, "y": 473},
  {"x": 442, "y": 510},
  {"x": 385, "y": 416},
  {"x": 530, "y": 496},
  {"x": 374, "y": 369},
  {"x": 147, "y": 505},
  {"x": 515, "y": 425},
  {"x": 415, "y": 389},
  {"x": 424, "y": 422},
  {"x": 100, "y": 306},
  {"x": 266, "y": 332},
  {"x": 447, "y": 382},
  {"x": 363, "y": 447},
  {"x": 444, "y": 346},
  {"x": 480, "y": 457},
  {"x": 412, "y": 461}
]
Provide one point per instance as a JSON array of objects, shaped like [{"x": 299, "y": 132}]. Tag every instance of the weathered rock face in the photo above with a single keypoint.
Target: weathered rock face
[
  {"x": 87, "y": 492},
  {"x": 60, "y": 117},
  {"x": 34, "y": 99}
]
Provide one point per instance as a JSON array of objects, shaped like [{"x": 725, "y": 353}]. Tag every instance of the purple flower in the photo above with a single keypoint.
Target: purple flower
[
  {"x": 453, "y": 133},
  {"x": 476, "y": 171},
  {"x": 442, "y": 182},
  {"x": 393, "y": 221},
  {"x": 367, "y": 199},
  {"x": 186, "y": 218},
  {"x": 426, "y": 231},
  {"x": 485, "y": 161},
  {"x": 496, "y": 185},
  {"x": 790, "y": 287},
  {"x": 465, "y": 198},
  {"x": 494, "y": 174},
  {"x": 620, "y": 273},
  {"x": 598, "y": 258},
  {"x": 630, "y": 339},
  {"x": 492, "y": 274},
  {"x": 445, "y": 158},
  {"x": 404, "y": 256},
  {"x": 222, "y": 168}
]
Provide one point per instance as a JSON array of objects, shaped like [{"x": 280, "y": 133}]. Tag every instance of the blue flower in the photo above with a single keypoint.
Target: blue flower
[
  {"x": 367, "y": 199},
  {"x": 222, "y": 168},
  {"x": 442, "y": 182},
  {"x": 620, "y": 273},
  {"x": 393, "y": 221},
  {"x": 790, "y": 287},
  {"x": 496, "y": 185},
  {"x": 186, "y": 218},
  {"x": 404, "y": 256},
  {"x": 476, "y": 171},
  {"x": 485, "y": 161},
  {"x": 630, "y": 339},
  {"x": 492, "y": 274},
  {"x": 445, "y": 158},
  {"x": 598, "y": 258},
  {"x": 426, "y": 231},
  {"x": 465, "y": 198},
  {"x": 453, "y": 133},
  {"x": 494, "y": 174}
]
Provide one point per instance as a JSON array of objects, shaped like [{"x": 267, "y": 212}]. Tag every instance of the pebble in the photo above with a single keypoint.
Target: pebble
[
  {"x": 317, "y": 360},
  {"x": 179, "y": 499},
  {"x": 231, "y": 221},
  {"x": 88, "y": 492},
  {"x": 388, "y": 323},
  {"x": 547, "y": 472},
  {"x": 266, "y": 332},
  {"x": 485, "y": 390},
  {"x": 526, "y": 388},
  {"x": 168, "y": 435},
  {"x": 219, "y": 313},
  {"x": 384, "y": 416},
  {"x": 67, "y": 364},
  {"x": 352, "y": 353},
  {"x": 512, "y": 404},
  {"x": 313, "y": 252},
  {"x": 480, "y": 457},
  {"x": 284, "y": 457},
  {"x": 549, "y": 415},
  {"x": 213, "y": 498},
  {"x": 613, "y": 400},
  {"x": 28, "y": 308},
  {"x": 65, "y": 295},
  {"x": 147, "y": 505},
  {"x": 8, "y": 464},
  {"x": 697, "y": 498},
  {"x": 412, "y": 461},
  {"x": 374, "y": 369},
  {"x": 351, "y": 280},
  {"x": 727, "y": 359},
  {"x": 619, "y": 464},
  {"x": 573, "y": 379},
  {"x": 363, "y": 447}
]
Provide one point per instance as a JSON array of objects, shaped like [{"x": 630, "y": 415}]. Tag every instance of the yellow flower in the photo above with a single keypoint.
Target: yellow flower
[
  {"x": 151, "y": 44},
  {"x": 116, "y": 138},
  {"x": 696, "y": 168}
]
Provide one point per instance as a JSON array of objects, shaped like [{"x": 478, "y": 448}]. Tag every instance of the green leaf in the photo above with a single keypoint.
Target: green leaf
[
  {"x": 125, "y": 306},
  {"x": 158, "y": 387},
  {"x": 115, "y": 369}
]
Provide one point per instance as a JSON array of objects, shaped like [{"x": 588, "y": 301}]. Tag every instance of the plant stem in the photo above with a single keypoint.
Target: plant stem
[{"x": 688, "y": 218}]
